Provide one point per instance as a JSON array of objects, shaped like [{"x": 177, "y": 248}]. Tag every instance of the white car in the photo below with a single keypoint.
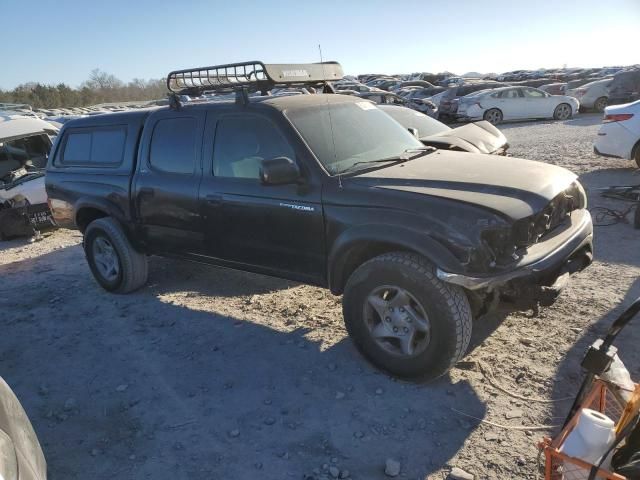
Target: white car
[
  {"x": 593, "y": 95},
  {"x": 25, "y": 142},
  {"x": 619, "y": 135},
  {"x": 515, "y": 103}
]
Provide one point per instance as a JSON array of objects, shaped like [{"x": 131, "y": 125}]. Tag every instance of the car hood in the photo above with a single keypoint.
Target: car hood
[
  {"x": 478, "y": 137},
  {"x": 18, "y": 440},
  {"x": 513, "y": 187}
]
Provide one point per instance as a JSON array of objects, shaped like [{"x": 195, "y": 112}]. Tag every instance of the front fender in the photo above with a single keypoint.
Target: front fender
[{"x": 372, "y": 237}]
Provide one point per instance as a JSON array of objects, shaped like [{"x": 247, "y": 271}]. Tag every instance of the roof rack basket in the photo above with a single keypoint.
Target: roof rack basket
[{"x": 252, "y": 75}]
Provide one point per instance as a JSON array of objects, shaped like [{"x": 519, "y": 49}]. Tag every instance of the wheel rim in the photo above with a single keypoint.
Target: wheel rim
[
  {"x": 397, "y": 322},
  {"x": 600, "y": 104},
  {"x": 493, "y": 116},
  {"x": 564, "y": 111},
  {"x": 106, "y": 259}
]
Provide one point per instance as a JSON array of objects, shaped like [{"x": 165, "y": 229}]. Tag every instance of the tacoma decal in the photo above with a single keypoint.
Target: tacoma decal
[{"x": 303, "y": 208}]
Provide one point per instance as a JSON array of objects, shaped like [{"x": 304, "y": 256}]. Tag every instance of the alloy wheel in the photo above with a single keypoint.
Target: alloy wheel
[
  {"x": 563, "y": 112},
  {"x": 106, "y": 259},
  {"x": 396, "y": 321}
]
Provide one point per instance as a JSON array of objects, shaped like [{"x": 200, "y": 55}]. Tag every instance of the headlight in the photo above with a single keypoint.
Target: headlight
[{"x": 577, "y": 192}]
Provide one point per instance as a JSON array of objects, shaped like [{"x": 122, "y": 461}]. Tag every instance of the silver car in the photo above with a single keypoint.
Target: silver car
[
  {"x": 592, "y": 95},
  {"x": 21, "y": 457}
]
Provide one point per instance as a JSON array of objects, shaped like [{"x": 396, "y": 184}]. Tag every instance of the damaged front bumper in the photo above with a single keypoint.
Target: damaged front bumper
[{"x": 542, "y": 278}]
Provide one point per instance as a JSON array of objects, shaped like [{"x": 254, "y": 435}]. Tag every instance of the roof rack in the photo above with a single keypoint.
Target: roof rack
[{"x": 252, "y": 75}]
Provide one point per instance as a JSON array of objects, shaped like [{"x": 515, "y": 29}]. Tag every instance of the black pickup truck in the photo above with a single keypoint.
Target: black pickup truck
[{"x": 324, "y": 189}]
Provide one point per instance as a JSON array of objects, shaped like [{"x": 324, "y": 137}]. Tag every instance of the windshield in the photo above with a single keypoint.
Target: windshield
[
  {"x": 408, "y": 118},
  {"x": 345, "y": 133}
]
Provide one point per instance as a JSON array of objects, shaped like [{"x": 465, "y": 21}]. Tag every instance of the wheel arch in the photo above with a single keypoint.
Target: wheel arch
[
  {"x": 360, "y": 244},
  {"x": 89, "y": 209}
]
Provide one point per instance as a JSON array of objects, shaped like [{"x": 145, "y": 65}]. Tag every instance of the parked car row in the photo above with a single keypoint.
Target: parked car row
[{"x": 594, "y": 88}]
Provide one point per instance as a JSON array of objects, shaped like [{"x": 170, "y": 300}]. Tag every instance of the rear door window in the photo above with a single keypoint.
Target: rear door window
[
  {"x": 173, "y": 145},
  {"x": 101, "y": 146}
]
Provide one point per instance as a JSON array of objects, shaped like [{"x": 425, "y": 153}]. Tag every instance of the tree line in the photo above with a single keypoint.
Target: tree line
[{"x": 101, "y": 87}]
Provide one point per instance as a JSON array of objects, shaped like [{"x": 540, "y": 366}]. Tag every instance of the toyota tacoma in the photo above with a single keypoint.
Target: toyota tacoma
[{"x": 324, "y": 189}]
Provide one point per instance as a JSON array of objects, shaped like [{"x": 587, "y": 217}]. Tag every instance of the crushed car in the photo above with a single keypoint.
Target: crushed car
[
  {"x": 25, "y": 143},
  {"x": 477, "y": 137}
]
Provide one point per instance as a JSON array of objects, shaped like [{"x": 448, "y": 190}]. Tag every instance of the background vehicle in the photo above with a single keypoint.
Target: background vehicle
[
  {"x": 625, "y": 87},
  {"x": 325, "y": 189},
  {"x": 479, "y": 137},
  {"x": 448, "y": 105},
  {"x": 554, "y": 88},
  {"x": 21, "y": 456},
  {"x": 515, "y": 103},
  {"x": 592, "y": 95},
  {"x": 387, "y": 98},
  {"x": 619, "y": 135},
  {"x": 25, "y": 142},
  {"x": 355, "y": 86}
]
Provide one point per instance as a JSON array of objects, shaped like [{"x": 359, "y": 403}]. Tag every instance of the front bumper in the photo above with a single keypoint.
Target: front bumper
[{"x": 567, "y": 252}]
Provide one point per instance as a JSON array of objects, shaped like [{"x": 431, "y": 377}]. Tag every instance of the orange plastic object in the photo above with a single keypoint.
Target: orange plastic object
[{"x": 559, "y": 466}]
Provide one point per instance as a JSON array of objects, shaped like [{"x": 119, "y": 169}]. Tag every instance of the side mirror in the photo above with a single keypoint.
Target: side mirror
[
  {"x": 413, "y": 131},
  {"x": 279, "y": 171}
]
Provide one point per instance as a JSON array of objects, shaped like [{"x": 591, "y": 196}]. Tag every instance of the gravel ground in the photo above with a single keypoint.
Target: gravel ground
[{"x": 208, "y": 373}]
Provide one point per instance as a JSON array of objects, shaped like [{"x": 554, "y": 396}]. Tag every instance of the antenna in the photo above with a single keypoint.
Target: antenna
[{"x": 333, "y": 140}]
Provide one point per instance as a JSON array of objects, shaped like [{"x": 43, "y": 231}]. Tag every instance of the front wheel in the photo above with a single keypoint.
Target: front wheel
[
  {"x": 404, "y": 319},
  {"x": 562, "y": 112},
  {"x": 493, "y": 116},
  {"x": 115, "y": 264}
]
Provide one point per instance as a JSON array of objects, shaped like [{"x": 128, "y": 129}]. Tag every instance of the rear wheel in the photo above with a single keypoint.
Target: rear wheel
[
  {"x": 600, "y": 104},
  {"x": 636, "y": 154},
  {"x": 404, "y": 319},
  {"x": 493, "y": 116},
  {"x": 115, "y": 264},
  {"x": 562, "y": 112}
]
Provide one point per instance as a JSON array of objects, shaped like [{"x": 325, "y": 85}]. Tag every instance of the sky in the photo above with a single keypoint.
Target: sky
[{"x": 53, "y": 41}]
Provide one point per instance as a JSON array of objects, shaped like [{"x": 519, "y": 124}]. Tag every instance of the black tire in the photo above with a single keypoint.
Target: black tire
[
  {"x": 493, "y": 116},
  {"x": 446, "y": 306},
  {"x": 560, "y": 112},
  {"x": 636, "y": 154},
  {"x": 133, "y": 269},
  {"x": 600, "y": 104}
]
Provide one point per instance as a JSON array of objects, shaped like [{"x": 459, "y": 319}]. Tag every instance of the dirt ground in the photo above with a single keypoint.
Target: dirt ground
[{"x": 208, "y": 373}]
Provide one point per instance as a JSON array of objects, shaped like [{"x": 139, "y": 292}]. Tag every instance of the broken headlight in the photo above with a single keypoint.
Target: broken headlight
[
  {"x": 579, "y": 196},
  {"x": 499, "y": 241}
]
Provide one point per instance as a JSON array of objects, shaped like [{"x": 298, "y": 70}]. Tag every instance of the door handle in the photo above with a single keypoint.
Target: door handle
[
  {"x": 213, "y": 200},
  {"x": 147, "y": 191}
]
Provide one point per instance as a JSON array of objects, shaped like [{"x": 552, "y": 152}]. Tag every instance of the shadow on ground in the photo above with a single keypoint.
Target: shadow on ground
[
  {"x": 580, "y": 120},
  {"x": 133, "y": 387},
  {"x": 615, "y": 244}
]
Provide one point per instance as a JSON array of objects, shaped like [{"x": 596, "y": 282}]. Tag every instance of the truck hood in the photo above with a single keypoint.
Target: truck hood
[
  {"x": 509, "y": 186},
  {"x": 478, "y": 137}
]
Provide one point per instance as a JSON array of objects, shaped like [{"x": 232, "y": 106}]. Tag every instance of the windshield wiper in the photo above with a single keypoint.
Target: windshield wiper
[{"x": 408, "y": 154}]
